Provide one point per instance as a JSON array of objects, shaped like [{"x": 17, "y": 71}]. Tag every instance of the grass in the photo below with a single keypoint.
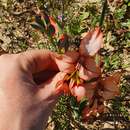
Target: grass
[{"x": 77, "y": 18}]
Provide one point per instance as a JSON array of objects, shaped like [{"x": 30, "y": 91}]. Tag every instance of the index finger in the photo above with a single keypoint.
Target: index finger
[{"x": 39, "y": 60}]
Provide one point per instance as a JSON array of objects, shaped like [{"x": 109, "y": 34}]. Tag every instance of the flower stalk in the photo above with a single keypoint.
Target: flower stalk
[{"x": 103, "y": 13}]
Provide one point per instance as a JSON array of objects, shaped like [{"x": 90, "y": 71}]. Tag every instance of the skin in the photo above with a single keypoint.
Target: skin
[{"x": 27, "y": 94}]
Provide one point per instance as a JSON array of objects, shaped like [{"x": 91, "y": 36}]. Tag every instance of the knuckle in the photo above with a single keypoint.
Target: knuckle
[
  {"x": 4, "y": 56},
  {"x": 28, "y": 59},
  {"x": 9, "y": 59}
]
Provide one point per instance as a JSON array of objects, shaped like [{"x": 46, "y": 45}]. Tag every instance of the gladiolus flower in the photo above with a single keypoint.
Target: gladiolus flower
[
  {"x": 105, "y": 89},
  {"x": 80, "y": 75},
  {"x": 81, "y": 66}
]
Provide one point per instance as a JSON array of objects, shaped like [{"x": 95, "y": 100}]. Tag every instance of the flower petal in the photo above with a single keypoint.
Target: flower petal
[
  {"x": 90, "y": 90},
  {"x": 65, "y": 67},
  {"x": 108, "y": 95},
  {"x": 91, "y": 65},
  {"x": 58, "y": 81},
  {"x": 66, "y": 88},
  {"x": 79, "y": 92},
  {"x": 111, "y": 83},
  {"x": 54, "y": 24},
  {"x": 66, "y": 62},
  {"x": 86, "y": 74},
  {"x": 70, "y": 57},
  {"x": 91, "y": 43}
]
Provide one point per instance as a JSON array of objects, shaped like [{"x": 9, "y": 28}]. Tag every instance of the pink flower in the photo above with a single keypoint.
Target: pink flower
[
  {"x": 80, "y": 75},
  {"x": 106, "y": 88},
  {"x": 80, "y": 67}
]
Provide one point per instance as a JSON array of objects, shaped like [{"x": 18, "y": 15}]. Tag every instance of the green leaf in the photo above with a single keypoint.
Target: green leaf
[
  {"x": 126, "y": 24},
  {"x": 82, "y": 104},
  {"x": 39, "y": 21},
  {"x": 84, "y": 15},
  {"x": 50, "y": 30},
  {"x": 106, "y": 62},
  {"x": 38, "y": 27},
  {"x": 60, "y": 29},
  {"x": 119, "y": 14},
  {"x": 76, "y": 114},
  {"x": 73, "y": 102},
  {"x": 46, "y": 18}
]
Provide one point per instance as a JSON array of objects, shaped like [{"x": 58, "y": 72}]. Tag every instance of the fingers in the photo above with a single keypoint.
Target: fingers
[
  {"x": 49, "y": 89},
  {"x": 39, "y": 60},
  {"x": 47, "y": 92},
  {"x": 43, "y": 76}
]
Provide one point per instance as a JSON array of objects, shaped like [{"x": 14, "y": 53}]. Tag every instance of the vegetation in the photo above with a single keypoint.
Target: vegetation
[{"x": 75, "y": 17}]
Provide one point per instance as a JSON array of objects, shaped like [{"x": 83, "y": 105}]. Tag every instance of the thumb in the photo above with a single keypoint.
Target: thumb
[
  {"x": 49, "y": 90},
  {"x": 47, "y": 97}
]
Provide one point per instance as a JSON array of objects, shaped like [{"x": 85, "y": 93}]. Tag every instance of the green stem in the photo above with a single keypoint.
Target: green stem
[{"x": 103, "y": 13}]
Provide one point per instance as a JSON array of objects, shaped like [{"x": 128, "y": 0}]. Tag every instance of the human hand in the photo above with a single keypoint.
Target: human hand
[{"x": 27, "y": 92}]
